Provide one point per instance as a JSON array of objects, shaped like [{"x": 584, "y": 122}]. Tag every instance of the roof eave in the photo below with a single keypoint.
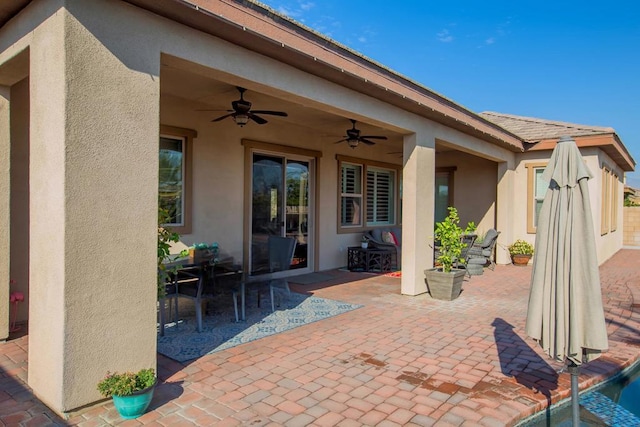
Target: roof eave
[{"x": 302, "y": 48}]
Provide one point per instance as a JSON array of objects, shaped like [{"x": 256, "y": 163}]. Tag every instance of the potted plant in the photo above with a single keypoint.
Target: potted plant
[
  {"x": 445, "y": 282},
  {"x": 364, "y": 243},
  {"x": 521, "y": 252},
  {"x": 131, "y": 392}
]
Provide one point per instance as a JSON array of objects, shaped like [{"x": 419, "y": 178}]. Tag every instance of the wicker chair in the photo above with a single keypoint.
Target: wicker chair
[{"x": 483, "y": 252}]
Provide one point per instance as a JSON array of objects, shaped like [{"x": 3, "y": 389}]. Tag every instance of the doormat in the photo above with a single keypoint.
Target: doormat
[
  {"x": 310, "y": 279},
  {"x": 183, "y": 342}
]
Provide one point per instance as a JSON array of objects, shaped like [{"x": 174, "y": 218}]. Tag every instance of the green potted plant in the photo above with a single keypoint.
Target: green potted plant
[
  {"x": 131, "y": 392},
  {"x": 521, "y": 252},
  {"x": 445, "y": 282}
]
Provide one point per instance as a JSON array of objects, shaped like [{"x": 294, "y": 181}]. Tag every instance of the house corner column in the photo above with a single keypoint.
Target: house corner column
[
  {"x": 417, "y": 211},
  {"x": 93, "y": 207},
  {"x": 505, "y": 215},
  {"x": 5, "y": 214}
]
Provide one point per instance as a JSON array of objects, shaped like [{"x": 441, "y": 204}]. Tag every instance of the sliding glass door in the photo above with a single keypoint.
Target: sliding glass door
[{"x": 281, "y": 191}]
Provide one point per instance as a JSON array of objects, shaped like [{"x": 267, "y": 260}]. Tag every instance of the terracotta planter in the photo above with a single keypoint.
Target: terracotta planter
[
  {"x": 444, "y": 286},
  {"x": 520, "y": 260}
]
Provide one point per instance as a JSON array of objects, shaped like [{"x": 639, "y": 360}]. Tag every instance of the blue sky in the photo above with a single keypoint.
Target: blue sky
[{"x": 571, "y": 61}]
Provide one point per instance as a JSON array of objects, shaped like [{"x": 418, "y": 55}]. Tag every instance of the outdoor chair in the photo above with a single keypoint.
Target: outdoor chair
[
  {"x": 463, "y": 260},
  {"x": 482, "y": 252},
  {"x": 170, "y": 298},
  {"x": 189, "y": 282},
  {"x": 281, "y": 250}
]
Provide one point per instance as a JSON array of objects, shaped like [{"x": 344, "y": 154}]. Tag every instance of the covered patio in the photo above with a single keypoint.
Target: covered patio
[{"x": 398, "y": 360}]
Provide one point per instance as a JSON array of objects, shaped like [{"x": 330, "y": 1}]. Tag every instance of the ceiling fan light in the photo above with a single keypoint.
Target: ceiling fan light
[
  {"x": 353, "y": 143},
  {"x": 241, "y": 119}
]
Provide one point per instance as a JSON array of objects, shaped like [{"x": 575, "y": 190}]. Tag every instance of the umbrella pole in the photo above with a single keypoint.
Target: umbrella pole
[{"x": 574, "y": 370}]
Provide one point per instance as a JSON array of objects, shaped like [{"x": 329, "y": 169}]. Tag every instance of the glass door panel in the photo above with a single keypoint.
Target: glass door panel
[
  {"x": 266, "y": 208},
  {"x": 297, "y": 210},
  {"x": 280, "y": 206}
]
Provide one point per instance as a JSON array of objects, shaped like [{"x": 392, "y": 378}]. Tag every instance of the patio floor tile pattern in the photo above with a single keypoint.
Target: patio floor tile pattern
[{"x": 397, "y": 361}]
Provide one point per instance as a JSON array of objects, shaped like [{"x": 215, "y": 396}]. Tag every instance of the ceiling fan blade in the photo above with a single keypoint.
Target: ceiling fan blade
[
  {"x": 217, "y": 109},
  {"x": 366, "y": 141},
  {"x": 373, "y": 137},
  {"x": 223, "y": 117},
  {"x": 273, "y": 113},
  {"x": 342, "y": 140},
  {"x": 259, "y": 120}
]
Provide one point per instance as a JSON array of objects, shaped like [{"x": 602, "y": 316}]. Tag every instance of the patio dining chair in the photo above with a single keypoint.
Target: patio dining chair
[
  {"x": 281, "y": 250},
  {"x": 463, "y": 260},
  {"x": 171, "y": 299},
  {"x": 189, "y": 282}
]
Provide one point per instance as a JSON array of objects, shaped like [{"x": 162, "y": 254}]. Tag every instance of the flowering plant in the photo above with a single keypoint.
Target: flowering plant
[
  {"x": 521, "y": 247},
  {"x": 127, "y": 383}
]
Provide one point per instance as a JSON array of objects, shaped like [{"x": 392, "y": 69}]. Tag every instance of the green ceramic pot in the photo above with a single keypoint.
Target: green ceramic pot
[{"x": 134, "y": 405}]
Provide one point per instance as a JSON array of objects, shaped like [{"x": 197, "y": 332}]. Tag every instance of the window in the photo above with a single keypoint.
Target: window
[
  {"x": 610, "y": 200},
  {"x": 536, "y": 189},
  {"x": 614, "y": 202},
  {"x": 368, "y": 193},
  {"x": 174, "y": 183},
  {"x": 380, "y": 196},
  {"x": 351, "y": 195},
  {"x": 443, "y": 192},
  {"x": 606, "y": 201}
]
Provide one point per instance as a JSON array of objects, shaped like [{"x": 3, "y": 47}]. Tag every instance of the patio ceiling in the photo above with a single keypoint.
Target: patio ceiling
[{"x": 211, "y": 92}]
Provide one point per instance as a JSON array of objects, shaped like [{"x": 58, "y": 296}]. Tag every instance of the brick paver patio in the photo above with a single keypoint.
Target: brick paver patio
[{"x": 397, "y": 361}]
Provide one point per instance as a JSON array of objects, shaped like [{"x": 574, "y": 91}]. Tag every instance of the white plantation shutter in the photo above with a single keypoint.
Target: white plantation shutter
[
  {"x": 351, "y": 195},
  {"x": 380, "y": 200}
]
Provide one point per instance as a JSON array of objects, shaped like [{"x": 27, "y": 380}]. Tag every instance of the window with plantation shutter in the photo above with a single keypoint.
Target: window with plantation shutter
[
  {"x": 369, "y": 194},
  {"x": 351, "y": 195},
  {"x": 380, "y": 197}
]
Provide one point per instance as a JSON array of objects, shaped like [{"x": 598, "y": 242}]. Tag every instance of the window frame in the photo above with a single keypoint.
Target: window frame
[
  {"x": 614, "y": 201},
  {"x": 396, "y": 171},
  {"x": 605, "y": 209},
  {"x": 531, "y": 194},
  {"x": 187, "y": 136}
]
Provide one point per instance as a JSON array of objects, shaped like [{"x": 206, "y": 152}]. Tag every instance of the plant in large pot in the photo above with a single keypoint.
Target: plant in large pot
[
  {"x": 131, "y": 392},
  {"x": 521, "y": 252},
  {"x": 445, "y": 282}
]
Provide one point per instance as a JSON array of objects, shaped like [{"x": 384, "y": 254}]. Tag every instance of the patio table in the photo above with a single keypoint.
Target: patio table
[{"x": 223, "y": 272}]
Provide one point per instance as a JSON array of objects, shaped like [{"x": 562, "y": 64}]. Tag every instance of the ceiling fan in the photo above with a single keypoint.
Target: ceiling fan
[
  {"x": 353, "y": 137},
  {"x": 241, "y": 112}
]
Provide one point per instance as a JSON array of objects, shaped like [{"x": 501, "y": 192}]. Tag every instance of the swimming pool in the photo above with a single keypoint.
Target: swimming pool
[{"x": 615, "y": 403}]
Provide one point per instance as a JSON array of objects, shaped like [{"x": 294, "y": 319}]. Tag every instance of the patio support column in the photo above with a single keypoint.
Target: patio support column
[
  {"x": 94, "y": 188},
  {"x": 504, "y": 209},
  {"x": 417, "y": 210},
  {"x": 5, "y": 197}
]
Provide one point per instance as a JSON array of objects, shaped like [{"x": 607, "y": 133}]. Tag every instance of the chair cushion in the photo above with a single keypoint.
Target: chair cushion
[{"x": 376, "y": 233}]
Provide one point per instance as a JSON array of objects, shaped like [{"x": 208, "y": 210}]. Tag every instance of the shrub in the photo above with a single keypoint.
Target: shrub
[{"x": 126, "y": 383}]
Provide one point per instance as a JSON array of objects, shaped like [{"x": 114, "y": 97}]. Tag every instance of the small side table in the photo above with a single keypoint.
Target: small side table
[{"x": 370, "y": 259}]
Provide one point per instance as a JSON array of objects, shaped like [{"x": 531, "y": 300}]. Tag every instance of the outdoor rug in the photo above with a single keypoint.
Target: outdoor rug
[
  {"x": 183, "y": 342},
  {"x": 311, "y": 278}
]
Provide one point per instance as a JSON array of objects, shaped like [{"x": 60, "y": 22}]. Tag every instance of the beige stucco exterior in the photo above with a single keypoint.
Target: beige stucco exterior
[{"x": 87, "y": 88}]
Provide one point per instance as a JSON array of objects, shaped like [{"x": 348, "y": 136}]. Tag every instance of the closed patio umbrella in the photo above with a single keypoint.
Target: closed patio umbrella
[{"x": 565, "y": 312}]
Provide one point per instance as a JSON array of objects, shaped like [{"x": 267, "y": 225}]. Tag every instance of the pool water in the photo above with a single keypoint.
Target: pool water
[{"x": 615, "y": 404}]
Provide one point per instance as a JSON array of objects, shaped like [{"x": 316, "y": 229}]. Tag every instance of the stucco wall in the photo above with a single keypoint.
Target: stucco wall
[
  {"x": 20, "y": 194},
  {"x": 631, "y": 225},
  {"x": 607, "y": 244},
  {"x": 475, "y": 188},
  {"x": 5, "y": 180}
]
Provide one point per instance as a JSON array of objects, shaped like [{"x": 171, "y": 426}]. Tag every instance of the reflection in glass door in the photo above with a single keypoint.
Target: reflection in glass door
[{"x": 280, "y": 207}]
